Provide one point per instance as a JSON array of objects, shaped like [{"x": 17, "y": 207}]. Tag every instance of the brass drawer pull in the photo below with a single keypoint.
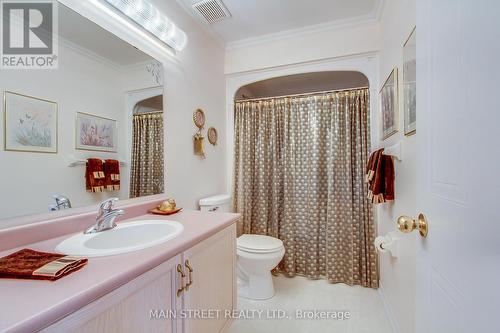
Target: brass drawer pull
[
  {"x": 190, "y": 274},
  {"x": 183, "y": 275}
]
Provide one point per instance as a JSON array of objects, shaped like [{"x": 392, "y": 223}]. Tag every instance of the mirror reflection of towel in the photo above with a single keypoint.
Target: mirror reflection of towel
[
  {"x": 112, "y": 173},
  {"x": 94, "y": 175}
]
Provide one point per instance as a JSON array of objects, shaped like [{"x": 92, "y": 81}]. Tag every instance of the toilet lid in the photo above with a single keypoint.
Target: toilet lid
[{"x": 258, "y": 243}]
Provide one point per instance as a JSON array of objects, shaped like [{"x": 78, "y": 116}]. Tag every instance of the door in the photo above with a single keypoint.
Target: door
[
  {"x": 213, "y": 286},
  {"x": 458, "y": 136}
]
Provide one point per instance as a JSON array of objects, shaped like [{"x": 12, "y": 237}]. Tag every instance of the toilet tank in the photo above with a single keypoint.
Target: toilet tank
[{"x": 217, "y": 203}]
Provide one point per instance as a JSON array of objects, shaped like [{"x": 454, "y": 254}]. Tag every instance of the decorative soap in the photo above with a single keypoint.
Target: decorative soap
[{"x": 167, "y": 205}]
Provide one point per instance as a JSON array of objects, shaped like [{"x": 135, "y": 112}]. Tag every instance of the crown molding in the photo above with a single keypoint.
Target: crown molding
[
  {"x": 138, "y": 65},
  {"x": 369, "y": 56},
  {"x": 84, "y": 52},
  {"x": 372, "y": 17}
]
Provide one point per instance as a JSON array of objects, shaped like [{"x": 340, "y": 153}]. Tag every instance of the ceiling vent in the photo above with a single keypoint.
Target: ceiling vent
[{"x": 212, "y": 10}]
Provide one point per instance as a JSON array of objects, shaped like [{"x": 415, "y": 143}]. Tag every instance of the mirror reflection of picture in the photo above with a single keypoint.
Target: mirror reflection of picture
[
  {"x": 389, "y": 105},
  {"x": 95, "y": 133},
  {"x": 410, "y": 83},
  {"x": 30, "y": 124}
]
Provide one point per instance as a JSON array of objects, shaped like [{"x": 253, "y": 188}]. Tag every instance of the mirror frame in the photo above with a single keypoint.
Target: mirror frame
[
  {"x": 22, "y": 220},
  {"x": 121, "y": 27}
]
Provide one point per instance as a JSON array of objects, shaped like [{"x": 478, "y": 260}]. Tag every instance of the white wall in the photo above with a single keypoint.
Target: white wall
[
  {"x": 286, "y": 49},
  {"x": 398, "y": 275},
  {"x": 136, "y": 77},
  {"x": 194, "y": 79},
  {"x": 82, "y": 83}
]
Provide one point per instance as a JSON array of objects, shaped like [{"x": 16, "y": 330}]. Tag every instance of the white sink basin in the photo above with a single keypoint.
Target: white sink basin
[{"x": 126, "y": 237}]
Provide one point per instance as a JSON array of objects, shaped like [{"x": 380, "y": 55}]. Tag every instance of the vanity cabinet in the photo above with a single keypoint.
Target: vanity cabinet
[
  {"x": 169, "y": 298},
  {"x": 213, "y": 283}
]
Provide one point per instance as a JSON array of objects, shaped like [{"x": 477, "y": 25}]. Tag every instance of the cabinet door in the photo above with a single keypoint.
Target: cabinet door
[
  {"x": 213, "y": 283},
  {"x": 146, "y": 304}
]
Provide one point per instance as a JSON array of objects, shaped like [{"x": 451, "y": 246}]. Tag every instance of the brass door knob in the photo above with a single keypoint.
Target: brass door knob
[{"x": 407, "y": 224}]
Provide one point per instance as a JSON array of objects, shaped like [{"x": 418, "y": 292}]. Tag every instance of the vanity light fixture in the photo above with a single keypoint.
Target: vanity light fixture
[{"x": 153, "y": 20}]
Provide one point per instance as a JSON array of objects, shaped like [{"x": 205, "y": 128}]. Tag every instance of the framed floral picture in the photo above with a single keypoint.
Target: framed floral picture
[
  {"x": 389, "y": 105},
  {"x": 410, "y": 83},
  {"x": 95, "y": 133},
  {"x": 30, "y": 124}
]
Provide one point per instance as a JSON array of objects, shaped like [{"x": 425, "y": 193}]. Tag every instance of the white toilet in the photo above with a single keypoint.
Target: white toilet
[
  {"x": 257, "y": 255},
  {"x": 217, "y": 203}
]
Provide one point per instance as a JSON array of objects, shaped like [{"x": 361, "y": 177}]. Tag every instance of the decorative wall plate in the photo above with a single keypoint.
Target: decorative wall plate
[
  {"x": 212, "y": 136},
  {"x": 199, "y": 118}
]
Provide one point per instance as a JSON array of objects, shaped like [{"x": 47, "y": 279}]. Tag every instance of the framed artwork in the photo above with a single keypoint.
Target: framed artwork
[
  {"x": 389, "y": 105},
  {"x": 95, "y": 133},
  {"x": 410, "y": 83},
  {"x": 30, "y": 124}
]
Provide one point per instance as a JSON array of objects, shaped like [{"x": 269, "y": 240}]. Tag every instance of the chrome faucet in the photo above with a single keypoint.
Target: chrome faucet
[
  {"x": 106, "y": 217},
  {"x": 62, "y": 202}
]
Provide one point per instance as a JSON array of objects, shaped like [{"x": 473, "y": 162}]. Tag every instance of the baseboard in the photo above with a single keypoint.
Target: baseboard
[{"x": 388, "y": 311}]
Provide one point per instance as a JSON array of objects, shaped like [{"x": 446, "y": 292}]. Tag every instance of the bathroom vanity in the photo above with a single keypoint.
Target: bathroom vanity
[
  {"x": 190, "y": 292},
  {"x": 186, "y": 284}
]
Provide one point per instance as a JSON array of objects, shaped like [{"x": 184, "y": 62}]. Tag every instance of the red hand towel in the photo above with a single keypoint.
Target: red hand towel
[
  {"x": 35, "y": 265},
  {"x": 380, "y": 177},
  {"x": 112, "y": 172},
  {"x": 94, "y": 175},
  {"x": 388, "y": 178}
]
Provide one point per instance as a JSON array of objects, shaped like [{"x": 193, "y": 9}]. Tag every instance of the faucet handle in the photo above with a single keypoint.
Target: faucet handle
[
  {"x": 62, "y": 202},
  {"x": 107, "y": 205}
]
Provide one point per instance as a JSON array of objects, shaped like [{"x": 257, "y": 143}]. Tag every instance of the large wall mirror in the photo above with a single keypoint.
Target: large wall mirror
[{"x": 104, "y": 102}]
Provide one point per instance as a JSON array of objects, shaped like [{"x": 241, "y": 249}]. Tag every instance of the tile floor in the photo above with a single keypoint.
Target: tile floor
[{"x": 364, "y": 305}]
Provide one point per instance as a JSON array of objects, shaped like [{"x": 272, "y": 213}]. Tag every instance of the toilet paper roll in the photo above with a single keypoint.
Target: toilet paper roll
[{"x": 382, "y": 244}]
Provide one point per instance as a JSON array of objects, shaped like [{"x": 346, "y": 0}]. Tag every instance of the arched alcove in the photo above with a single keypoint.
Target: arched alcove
[
  {"x": 150, "y": 104},
  {"x": 364, "y": 64},
  {"x": 302, "y": 83}
]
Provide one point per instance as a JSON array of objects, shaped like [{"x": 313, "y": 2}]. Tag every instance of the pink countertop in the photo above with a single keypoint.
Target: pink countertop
[{"x": 29, "y": 305}]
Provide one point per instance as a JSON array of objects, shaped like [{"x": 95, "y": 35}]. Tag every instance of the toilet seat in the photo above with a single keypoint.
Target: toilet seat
[{"x": 258, "y": 244}]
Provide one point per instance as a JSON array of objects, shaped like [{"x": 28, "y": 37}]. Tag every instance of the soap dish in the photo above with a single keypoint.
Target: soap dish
[{"x": 163, "y": 212}]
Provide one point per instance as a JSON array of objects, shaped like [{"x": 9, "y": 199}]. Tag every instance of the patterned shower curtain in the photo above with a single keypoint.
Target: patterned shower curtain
[
  {"x": 299, "y": 176},
  {"x": 146, "y": 175}
]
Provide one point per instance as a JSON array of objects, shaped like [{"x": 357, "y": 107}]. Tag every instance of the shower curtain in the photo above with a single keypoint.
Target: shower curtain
[
  {"x": 299, "y": 176},
  {"x": 146, "y": 175}
]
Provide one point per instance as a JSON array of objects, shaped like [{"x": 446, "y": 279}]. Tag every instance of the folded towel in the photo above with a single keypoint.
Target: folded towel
[
  {"x": 372, "y": 165},
  {"x": 30, "y": 264},
  {"x": 112, "y": 173},
  {"x": 94, "y": 175},
  {"x": 389, "y": 176},
  {"x": 380, "y": 177}
]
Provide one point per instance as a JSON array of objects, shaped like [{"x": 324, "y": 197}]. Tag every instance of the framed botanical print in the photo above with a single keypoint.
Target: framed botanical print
[
  {"x": 30, "y": 124},
  {"x": 389, "y": 105},
  {"x": 95, "y": 133},
  {"x": 410, "y": 83}
]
